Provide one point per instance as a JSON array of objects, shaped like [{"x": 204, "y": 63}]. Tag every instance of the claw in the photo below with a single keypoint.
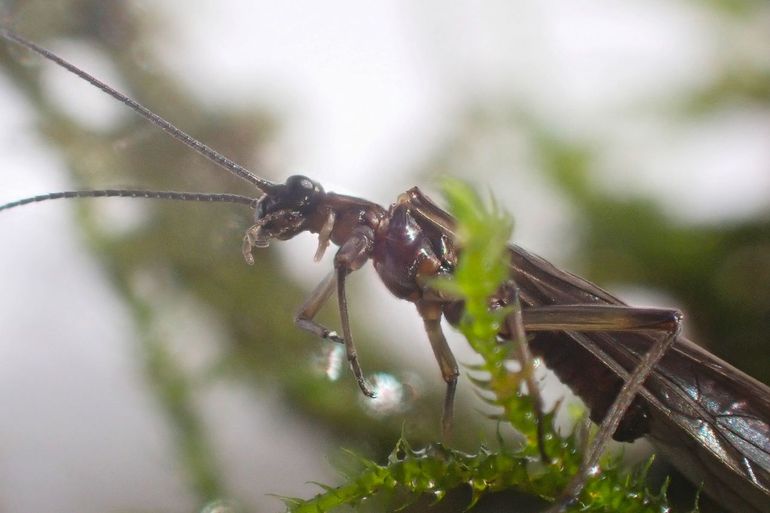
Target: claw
[{"x": 366, "y": 388}]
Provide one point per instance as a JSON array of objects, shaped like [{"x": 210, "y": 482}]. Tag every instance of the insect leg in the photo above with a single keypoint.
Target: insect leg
[
  {"x": 351, "y": 256},
  {"x": 431, "y": 317},
  {"x": 350, "y": 348},
  {"x": 304, "y": 317},
  {"x": 586, "y": 318},
  {"x": 515, "y": 325}
]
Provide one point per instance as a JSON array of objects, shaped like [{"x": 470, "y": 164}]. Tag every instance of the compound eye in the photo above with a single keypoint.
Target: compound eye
[
  {"x": 298, "y": 183},
  {"x": 302, "y": 189}
]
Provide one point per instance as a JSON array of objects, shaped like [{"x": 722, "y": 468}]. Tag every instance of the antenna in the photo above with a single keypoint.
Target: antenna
[
  {"x": 186, "y": 139},
  {"x": 136, "y": 193}
]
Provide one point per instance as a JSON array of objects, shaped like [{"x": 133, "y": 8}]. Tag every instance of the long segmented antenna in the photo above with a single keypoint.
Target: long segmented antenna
[
  {"x": 136, "y": 193},
  {"x": 186, "y": 139}
]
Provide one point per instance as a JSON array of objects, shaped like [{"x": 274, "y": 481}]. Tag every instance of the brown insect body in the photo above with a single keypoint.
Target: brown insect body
[
  {"x": 637, "y": 376},
  {"x": 709, "y": 419}
]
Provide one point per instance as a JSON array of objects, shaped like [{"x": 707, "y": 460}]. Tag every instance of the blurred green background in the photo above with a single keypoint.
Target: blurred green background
[{"x": 569, "y": 152}]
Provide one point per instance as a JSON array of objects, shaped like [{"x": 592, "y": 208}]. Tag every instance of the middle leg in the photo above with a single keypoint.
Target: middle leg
[{"x": 431, "y": 317}]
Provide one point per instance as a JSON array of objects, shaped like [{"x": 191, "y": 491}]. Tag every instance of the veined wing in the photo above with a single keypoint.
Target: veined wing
[{"x": 711, "y": 420}]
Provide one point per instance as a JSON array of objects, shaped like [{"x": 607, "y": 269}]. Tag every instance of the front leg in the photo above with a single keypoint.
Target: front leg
[
  {"x": 351, "y": 256},
  {"x": 304, "y": 318}
]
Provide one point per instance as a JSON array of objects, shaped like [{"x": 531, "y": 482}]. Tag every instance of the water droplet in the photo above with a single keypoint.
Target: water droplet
[{"x": 390, "y": 396}]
